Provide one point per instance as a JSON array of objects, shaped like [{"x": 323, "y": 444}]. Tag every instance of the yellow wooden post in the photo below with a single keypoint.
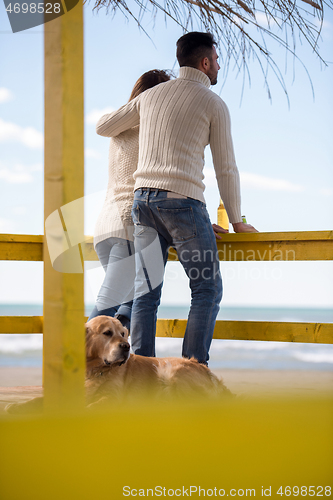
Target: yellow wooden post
[{"x": 64, "y": 346}]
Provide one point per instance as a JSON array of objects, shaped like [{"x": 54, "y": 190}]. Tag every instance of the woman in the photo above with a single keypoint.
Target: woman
[{"x": 113, "y": 239}]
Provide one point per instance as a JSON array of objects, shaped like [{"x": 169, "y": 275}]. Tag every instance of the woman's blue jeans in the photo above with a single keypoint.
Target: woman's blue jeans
[
  {"x": 116, "y": 293},
  {"x": 183, "y": 223}
]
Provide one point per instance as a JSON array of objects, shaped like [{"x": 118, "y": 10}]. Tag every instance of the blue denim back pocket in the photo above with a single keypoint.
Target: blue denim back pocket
[{"x": 179, "y": 222}]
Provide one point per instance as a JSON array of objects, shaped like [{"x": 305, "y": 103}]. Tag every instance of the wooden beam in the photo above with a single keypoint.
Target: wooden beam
[
  {"x": 317, "y": 333},
  {"x": 25, "y": 247},
  {"x": 64, "y": 339},
  {"x": 289, "y": 246},
  {"x": 21, "y": 324}
]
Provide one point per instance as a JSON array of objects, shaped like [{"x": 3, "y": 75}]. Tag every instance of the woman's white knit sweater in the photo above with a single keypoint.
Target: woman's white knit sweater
[
  {"x": 178, "y": 119},
  {"x": 115, "y": 218}
]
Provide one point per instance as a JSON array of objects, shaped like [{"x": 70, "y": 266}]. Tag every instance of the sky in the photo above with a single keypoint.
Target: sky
[{"x": 284, "y": 151}]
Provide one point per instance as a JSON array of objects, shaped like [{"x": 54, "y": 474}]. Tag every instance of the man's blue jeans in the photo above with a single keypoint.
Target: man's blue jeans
[{"x": 162, "y": 222}]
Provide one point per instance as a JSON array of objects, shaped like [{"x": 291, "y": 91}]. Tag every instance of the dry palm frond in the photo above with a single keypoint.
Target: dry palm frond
[{"x": 244, "y": 29}]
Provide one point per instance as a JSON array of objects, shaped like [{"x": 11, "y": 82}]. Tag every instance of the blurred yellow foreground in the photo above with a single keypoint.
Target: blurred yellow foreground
[{"x": 240, "y": 448}]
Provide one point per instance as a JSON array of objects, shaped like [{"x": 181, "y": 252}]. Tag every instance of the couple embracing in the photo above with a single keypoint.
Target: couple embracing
[{"x": 156, "y": 159}]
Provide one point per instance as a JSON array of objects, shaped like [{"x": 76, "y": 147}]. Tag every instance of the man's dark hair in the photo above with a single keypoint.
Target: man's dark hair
[{"x": 193, "y": 47}]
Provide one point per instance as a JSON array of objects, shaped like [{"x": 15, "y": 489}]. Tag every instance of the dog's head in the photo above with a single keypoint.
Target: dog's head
[{"x": 106, "y": 339}]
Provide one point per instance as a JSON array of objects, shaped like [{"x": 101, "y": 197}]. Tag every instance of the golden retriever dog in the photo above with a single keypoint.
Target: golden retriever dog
[{"x": 113, "y": 374}]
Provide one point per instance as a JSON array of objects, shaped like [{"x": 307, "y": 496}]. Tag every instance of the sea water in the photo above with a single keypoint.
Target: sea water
[{"x": 26, "y": 350}]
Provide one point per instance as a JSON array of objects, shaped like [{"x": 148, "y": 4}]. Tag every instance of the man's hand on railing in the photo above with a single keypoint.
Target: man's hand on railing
[
  {"x": 218, "y": 229},
  {"x": 241, "y": 227}
]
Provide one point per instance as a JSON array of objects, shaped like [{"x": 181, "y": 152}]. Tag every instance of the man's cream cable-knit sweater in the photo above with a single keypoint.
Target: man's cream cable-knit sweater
[{"x": 178, "y": 119}]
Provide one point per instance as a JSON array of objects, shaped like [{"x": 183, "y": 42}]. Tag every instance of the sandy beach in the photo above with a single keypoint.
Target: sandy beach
[{"x": 20, "y": 383}]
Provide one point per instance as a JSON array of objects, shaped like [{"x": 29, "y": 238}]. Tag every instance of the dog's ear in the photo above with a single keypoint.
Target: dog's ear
[
  {"x": 89, "y": 342},
  {"x": 126, "y": 332},
  {"x": 88, "y": 330}
]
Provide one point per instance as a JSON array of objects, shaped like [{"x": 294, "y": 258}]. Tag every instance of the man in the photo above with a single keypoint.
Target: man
[{"x": 178, "y": 119}]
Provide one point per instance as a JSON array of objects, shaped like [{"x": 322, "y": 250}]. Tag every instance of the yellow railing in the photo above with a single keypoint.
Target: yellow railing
[
  {"x": 298, "y": 245},
  {"x": 315, "y": 245}
]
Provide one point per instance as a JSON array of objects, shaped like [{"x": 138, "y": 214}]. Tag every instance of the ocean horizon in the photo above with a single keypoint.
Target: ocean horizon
[
  {"x": 26, "y": 349},
  {"x": 232, "y": 313}
]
